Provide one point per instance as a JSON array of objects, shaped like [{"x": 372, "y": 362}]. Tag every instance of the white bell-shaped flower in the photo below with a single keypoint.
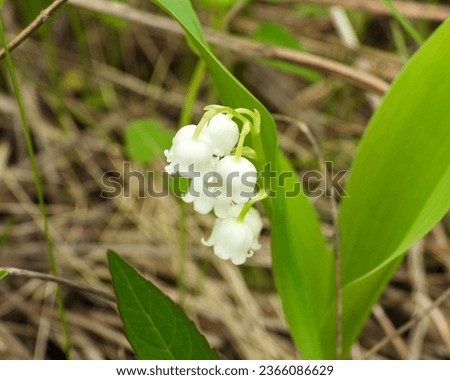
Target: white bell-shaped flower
[
  {"x": 205, "y": 197},
  {"x": 236, "y": 179},
  {"x": 189, "y": 155},
  {"x": 183, "y": 133},
  {"x": 252, "y": 219},
  {"x": 231, "y": 239},
  {"x": 223, "y": 133}
]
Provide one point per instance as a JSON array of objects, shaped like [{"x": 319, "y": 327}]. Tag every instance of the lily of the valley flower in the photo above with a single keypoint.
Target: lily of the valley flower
[
  {"x": 234, "y": 239},
  {"x": 223, "y": 133},
  {"x": 222, "y": 180},
  {"x": 251, "y": 219},
  {"x": 189, "y": 154},
  {"x": 205, "y": 197},
  {"x": 238, "y": 179}
]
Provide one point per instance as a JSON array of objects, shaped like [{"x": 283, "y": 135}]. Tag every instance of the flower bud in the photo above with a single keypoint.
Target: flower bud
[{"x": 231, "y": 240}]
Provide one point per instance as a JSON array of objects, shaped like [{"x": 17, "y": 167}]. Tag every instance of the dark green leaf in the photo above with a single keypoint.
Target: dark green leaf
[{"x": 156, "y": 328}]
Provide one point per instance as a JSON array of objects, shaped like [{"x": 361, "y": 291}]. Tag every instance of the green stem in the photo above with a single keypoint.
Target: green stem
[
  {"x": 39, "y": 191},
  {"x": 182, "y": 243},
  {"x": 262, "y": 195},
  {"x": 409, "y": 28},
  {"x": 192, "y": 92},
  {"x": 245, "y": 131}
]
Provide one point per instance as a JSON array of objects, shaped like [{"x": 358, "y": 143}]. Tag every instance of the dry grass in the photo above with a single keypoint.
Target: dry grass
[{"x": 79, "y": 104}]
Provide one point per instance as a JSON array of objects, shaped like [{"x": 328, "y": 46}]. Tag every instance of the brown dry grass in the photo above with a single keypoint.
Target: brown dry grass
[{"x": 78, "y": 134}]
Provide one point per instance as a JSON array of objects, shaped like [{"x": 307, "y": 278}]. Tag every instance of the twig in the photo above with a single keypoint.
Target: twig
[
  {"x": 408, "y": 325},
  {"x": 17, "y": 272},
  {"x": 239, "y": 45},
  {"x": 43, "y": 17},
  {"x": 334, "y": 215},
  {"x": 436, "y": 12}
]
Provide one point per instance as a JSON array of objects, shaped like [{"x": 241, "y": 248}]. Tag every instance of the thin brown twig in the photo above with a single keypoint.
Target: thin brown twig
[
  {"x": 408, "y": 325},
  {"x": 240, "y": 45},
  {"x": 43, "y": 17},
  {"x": 436, "y": 12},
  {"x": 18, "y": 272},
  {"x": 334, "y": 215}
]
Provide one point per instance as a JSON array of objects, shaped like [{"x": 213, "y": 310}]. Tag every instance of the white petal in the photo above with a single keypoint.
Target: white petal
[
  {"x": 237, "y": 177},
  {"x": 185, "y": 132},
  {"x": 222, "y": 253},
  {"x": 254, "y": 221},
  {"x": 190, "y": 156},
  {"x": 221, "y": 208},
  {"x": 223, "y": 133},
  {"x": 207, "y": 242},
  {"x": 239, "y": 259},
  {"x": 203, "y": 205}
]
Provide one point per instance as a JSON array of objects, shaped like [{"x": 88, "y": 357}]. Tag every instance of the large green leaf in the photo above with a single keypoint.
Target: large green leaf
[
  {"x": 302, "y": 263},
  {"x": 156, "y": 328},
  {"x": 304, "y": 270},
  {"x": 400, "y": 180}
]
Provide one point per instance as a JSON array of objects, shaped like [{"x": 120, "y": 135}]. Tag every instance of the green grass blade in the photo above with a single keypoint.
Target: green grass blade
[
  {"x": 399, "y": 184},
  {"x": 39, "y": 191},
  {"x": 156, "y": 328},
  {"x": 302, "y": 263},
  {"x": 404, "y": 22}
]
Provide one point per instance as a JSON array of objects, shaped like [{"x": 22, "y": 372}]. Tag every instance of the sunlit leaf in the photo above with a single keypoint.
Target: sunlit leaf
[{"x": 400, "y": 180}]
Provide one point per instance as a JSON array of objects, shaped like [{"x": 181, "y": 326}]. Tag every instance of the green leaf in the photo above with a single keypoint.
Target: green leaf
[
  {"x": 304, "y": 270},
  {"x": 146, "y": 139},
  {"x": 278, "y": 35},
  {"x": 3, "y": 274},
  {"x": 302, "y": 263},
  {"x": 156, "y": 328},
  {"x": 400, "y": 180},
  {"x": 218, "y": 4}
]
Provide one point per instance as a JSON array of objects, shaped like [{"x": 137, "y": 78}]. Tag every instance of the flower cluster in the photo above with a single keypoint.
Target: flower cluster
[{"x": 222, "y": 180}]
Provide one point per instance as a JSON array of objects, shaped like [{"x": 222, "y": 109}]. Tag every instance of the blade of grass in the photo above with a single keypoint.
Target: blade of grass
[
  {"x": 403, "y": 21},
  {"x": 39, "y": 190},
  {"x": 399, "y": 41}
]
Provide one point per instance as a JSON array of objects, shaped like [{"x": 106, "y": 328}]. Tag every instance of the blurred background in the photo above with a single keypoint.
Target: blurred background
[{"x": 89, "y": 77}]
